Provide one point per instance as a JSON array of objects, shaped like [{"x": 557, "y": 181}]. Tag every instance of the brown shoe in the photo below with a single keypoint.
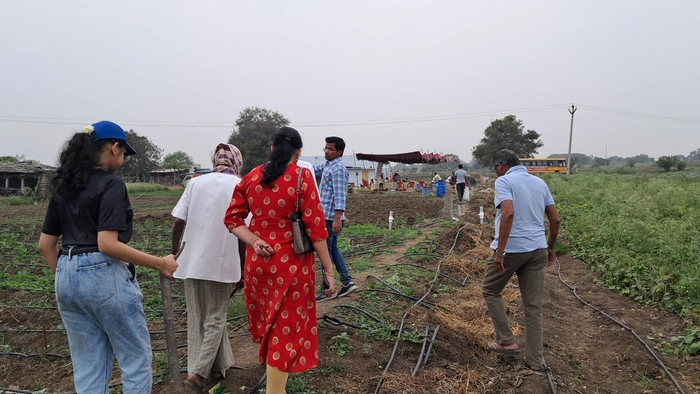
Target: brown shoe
[{"x": 195, "y": 382}]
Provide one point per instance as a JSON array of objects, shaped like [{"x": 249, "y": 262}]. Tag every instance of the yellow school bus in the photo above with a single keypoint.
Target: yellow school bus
[{"x": 544, "y": 165}]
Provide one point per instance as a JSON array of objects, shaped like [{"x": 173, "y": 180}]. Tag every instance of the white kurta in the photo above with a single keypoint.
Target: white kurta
[{"x": 211, "y": 252}]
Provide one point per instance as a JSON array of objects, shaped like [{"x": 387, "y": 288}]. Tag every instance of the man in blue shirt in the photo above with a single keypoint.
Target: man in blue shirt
[
  {"x": 520, "y": 248},
  {"x": 334, "y": 191},
  {"x": 461, "y": 184}
]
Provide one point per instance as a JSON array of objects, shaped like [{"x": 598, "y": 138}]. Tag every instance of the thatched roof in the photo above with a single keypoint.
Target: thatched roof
[{"x": 24, "y": 167}]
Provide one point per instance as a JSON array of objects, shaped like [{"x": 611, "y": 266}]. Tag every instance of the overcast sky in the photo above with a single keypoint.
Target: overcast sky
[{"x": 179, "y": 72}]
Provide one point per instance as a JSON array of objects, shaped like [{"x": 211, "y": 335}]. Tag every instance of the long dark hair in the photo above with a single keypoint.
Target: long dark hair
[
  {"x": 285, "y": 141},
  {"x": 79, "y": 157}
]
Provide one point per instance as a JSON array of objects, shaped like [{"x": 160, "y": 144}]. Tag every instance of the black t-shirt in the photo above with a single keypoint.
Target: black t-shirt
[{"x": 102, "y": 206}]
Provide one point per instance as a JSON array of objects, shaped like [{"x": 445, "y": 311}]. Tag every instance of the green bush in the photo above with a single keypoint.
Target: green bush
[
  {"x": 135, "y": 188},
  {"x": 15, "y": 200}
]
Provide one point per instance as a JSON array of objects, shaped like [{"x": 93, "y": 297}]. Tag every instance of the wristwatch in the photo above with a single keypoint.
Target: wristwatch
[{"x": 499, "y": 254}]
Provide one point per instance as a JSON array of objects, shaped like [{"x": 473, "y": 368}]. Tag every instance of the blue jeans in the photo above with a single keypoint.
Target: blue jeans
[
  {"x": 336, "y": 256},
  {"x": 102, "y": 310}
]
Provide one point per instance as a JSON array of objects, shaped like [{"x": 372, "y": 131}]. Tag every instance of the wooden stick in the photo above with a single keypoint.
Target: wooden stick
[{"x": 171, "y": 345}]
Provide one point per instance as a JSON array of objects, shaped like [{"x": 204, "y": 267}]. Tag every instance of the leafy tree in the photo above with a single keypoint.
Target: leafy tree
[
  {"x": 667, "y": 162},
  {"x": 694, "y": 155},
  {"x": 252, "y": 133},
  {"x": 642, "y": 158},
  {"x": 8, "y": 159},
  {"x": 178, "y": 161},
  {"x": 631, "y": 163},
  {"x": 506, "y": 133},
  {"x": 600, "y": 161},
  {"x": 147, "y": 159},
  {"x": 681, "y": 165},
  {"x": 580, "y": 159}
]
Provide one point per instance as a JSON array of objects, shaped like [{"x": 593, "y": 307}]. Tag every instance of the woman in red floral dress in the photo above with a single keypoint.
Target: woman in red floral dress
[{"x": 279, "y": 284}]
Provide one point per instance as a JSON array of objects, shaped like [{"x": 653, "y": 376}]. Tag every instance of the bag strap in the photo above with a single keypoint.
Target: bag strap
[{"x": 299, "y": 188}]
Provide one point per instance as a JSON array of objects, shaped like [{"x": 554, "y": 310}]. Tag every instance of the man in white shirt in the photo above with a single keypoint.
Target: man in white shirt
[{"x": 210, "y": 264}]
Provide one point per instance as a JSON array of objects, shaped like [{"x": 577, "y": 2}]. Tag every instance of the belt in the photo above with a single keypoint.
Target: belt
[{"x": 75, "y": 250}]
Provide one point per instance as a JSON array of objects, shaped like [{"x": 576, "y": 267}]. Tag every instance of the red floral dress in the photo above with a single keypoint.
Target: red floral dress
[{"x": 280, "y": 289}]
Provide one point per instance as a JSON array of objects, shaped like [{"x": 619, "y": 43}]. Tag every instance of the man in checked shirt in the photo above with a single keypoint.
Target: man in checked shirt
[{"x": 334, "y": 191}]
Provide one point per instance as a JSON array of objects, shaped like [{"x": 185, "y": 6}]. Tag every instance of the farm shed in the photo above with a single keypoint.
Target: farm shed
[{"x": 16, "y": 176}]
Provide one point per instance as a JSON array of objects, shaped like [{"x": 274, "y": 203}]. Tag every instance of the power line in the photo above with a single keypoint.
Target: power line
[
  {"x": 638, "y": 115},
  {"x": 343, "y": 123}
]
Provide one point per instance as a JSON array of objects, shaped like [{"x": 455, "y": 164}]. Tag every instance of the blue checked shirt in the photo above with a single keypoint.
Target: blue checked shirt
[{"x": 333, "y": 187}]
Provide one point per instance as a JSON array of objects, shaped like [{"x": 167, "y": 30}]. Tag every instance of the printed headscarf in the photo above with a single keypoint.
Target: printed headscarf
[{"x": 227, "y": 159}]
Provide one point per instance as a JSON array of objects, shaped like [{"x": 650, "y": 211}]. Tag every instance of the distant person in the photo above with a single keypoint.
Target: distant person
[
  {"x": 279, "y": 284},
  {"x": 210, "y": 264},
  {"x": 310, "y": 167},
  {"x": 472, "y": 182},
  {"x": 461, "y": 182},
  {"x": 381, "y": 181},
  {"x": 519, "y": 248},
  {"x": 334, "y": 192},
  {"x": 97, "y": 293},
  {"x": 436, "y": 178},
  {"x": 397, "y": 177}
]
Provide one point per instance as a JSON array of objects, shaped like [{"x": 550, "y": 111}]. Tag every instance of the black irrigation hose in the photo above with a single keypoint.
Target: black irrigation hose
[
  {"x": 396, "y": 344},
  {"x": 63, "y": 331},
  {"x": 649, "y": 349},
  {"x": 549, "y": 377},
  {"x": 423, "y": 359},
  {"x": 463, "y": 283},
  {"x": 422, "y": 351},
  {"x": 335, "y": 321},
  {"x": 4, "y": 389},
  {"x": 400, "y": 292},
  {"x": 34, "y": 355},
  {"x": 375, "y": 318},
  {"x": 259, "y": 384},
  {"x": 403, "y": 319},
  {"x": 53, "y": 307},
  {"x": 425, "y": 303}
]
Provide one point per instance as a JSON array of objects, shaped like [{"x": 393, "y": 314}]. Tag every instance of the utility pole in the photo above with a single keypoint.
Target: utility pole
[{"x": 571, "y": 134}]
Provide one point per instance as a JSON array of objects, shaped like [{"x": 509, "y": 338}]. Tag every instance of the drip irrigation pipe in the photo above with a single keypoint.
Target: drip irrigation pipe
[
  {"x": 422, "y": 351},
  {"x": 53, "y": 307},
  {"x": 649, "y": 349},
  {"x": 403, "y": 319},
  {"x": 424, "y": 356},
  {"x": 9, "y": 330},
  {"x": 259, "y": 384},
  {"x": 463, "y": 283},
  {"x": 549, "y": 377},
  {"x": 335, "y": 321},
  {"x": 34, "y": 355},
  {"x": 425, "y": 303},
  {"x": 378, "y": 320},
  {"x": 400, "y": 292},
  {"x": 430, "y": 347}
]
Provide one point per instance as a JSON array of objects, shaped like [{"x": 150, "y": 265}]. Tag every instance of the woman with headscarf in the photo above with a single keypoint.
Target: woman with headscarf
[
  {"x": 210, "y": 264},
  {"x": 279, "y": 284}
]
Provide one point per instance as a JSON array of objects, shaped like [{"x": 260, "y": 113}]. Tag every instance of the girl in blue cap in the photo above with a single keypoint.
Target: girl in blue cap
[{"x": 98, "y": 296}]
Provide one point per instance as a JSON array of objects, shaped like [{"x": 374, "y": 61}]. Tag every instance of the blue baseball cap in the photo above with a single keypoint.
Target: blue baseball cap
[{"x": 105, "y": 129}]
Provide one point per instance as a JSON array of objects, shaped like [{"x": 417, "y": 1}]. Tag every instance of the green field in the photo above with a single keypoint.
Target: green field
[{"x": 640, "y": 232}]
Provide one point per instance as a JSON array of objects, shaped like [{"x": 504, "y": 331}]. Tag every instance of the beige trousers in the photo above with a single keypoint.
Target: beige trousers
[
  {"x": 208, "y": 346},
  {"x": 529, "y": 267}
]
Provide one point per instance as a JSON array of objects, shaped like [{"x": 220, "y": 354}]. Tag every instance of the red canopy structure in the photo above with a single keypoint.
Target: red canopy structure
[{"x": 405, "y": 158}]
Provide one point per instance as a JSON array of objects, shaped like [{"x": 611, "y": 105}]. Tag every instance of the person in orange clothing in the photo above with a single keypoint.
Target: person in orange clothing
[{"x": 279, "y": 284}]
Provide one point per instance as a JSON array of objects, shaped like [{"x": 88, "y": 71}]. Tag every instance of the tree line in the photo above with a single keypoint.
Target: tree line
[{"x": 255, "y": 126}]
